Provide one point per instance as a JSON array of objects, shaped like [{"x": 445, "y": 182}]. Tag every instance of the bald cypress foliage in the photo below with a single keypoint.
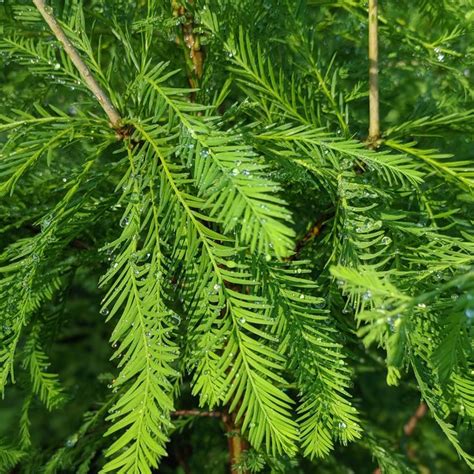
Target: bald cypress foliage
[{"x": 207, "y": 265}]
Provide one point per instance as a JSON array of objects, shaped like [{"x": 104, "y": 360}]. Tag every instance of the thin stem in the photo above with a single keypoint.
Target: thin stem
[
  {"x": 374, "y": 115},
  {"x": 71, "y": 51},
  {"x": 193, "y": 53},
  {"x": 236, "y": 443},
  {"x": 410, "y": 425}
]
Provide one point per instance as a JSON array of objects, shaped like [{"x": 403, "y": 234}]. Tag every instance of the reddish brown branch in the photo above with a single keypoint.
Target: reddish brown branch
[
  {"x": 236, "y": 443},
  {"x": 410, "y": 425},
  {"x": 314, "y": 231},
  {"x": 193, "y": 52},
  {"x": 195, "y": 63}
]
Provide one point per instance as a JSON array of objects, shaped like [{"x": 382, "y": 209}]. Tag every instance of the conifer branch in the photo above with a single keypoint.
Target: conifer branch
[
  {"x": 103, "y": 99},
  {"x": 374, "y": 115}
]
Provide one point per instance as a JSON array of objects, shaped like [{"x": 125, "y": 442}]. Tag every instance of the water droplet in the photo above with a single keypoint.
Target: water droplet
[
  {"x": 176, "y": 318},
  {"x": 439, "y": 54},
  {"x": 391, "y": 323},
  {"x": 367, "y": 295},
  {"x": 242, "y": 320},
  {"x": 217, "y": 287},
  {"x": 234, "y": 172},
  {"x": 45, "y": 223},
  {"x": 469, "y": 313},
  {"x": 104, "y": 311},
  {"x": 70, "y": 442}
]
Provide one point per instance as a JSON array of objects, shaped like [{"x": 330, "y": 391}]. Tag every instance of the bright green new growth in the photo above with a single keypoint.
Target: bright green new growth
[{"x": 253, "y": 254}]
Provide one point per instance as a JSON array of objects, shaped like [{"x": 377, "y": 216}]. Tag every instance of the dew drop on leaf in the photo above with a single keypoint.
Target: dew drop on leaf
[
  {"x": 70, "y": 442},
  {"x": 469, "y": 313}
]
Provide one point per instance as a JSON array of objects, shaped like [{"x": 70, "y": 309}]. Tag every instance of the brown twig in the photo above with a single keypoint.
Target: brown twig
[
  {"x": 84, "y": 71},
  {"x": 195, "y": 64},
  {"x": 194, "y": 54},
  {"x": 410, "y": 425},
  {"x": 314, "y": 231},
  {"x": 374, "y": 114},
  {"x": 237, "y": 445}
]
